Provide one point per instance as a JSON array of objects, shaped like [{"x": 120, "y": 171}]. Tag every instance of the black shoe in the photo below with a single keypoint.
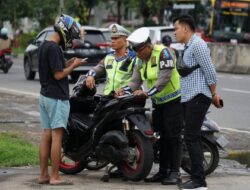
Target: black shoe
[
  {"x": 116, "y": 174},
  {"x": 174, "y": 178},
  {"x": 155, "y": 178},
  {"x": 192, "y": 185}
]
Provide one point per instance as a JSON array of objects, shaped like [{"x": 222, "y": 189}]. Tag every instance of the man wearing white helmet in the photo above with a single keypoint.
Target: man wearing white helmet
[
  {"x": 54, "y": 96},
  {"x": 117, "y": 65},
  {"x": 156, "y": 66},
  {"x": 4, "y": 40}
]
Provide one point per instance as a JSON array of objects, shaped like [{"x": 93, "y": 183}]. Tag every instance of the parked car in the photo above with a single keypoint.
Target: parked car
[
  {"x": 30, "y": 60},
  {"x": 107, "y": 34},
  {"x": 94, "y": 47}
]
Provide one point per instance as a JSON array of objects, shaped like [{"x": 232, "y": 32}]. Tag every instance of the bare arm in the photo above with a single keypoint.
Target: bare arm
[{"x": 70, "y": 67}]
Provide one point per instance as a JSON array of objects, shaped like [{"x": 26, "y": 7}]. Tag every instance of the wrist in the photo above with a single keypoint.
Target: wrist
[{"x": 213, "y": 94}]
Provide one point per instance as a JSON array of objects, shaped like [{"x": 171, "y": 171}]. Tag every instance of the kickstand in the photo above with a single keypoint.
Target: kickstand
[{"x": 106, "y": 176}]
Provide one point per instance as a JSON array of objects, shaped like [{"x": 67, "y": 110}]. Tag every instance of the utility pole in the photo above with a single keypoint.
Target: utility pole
[{"x": 61, "y": 6}]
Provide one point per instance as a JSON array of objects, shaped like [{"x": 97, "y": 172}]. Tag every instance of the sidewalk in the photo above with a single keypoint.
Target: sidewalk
[{"x": 26, "y": 179}]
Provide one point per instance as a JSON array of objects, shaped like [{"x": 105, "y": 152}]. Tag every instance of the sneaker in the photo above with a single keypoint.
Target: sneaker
[{"x": 192, "y": 185}]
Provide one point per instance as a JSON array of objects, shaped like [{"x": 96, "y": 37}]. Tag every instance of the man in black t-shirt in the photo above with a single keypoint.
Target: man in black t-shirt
[{"x": 54, "y": 96}]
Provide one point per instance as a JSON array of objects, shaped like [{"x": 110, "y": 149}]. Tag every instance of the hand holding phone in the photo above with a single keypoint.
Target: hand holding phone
[{"x": 84, "y": 59}]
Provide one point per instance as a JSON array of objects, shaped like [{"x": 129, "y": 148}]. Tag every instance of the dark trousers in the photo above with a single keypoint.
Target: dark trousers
[
  {"x": 167, "y": 120},
  {"x": 194, "y": 113}
]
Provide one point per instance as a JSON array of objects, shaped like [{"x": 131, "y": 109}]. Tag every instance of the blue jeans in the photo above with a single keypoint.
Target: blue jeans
[{"x": 194, "y": 113}]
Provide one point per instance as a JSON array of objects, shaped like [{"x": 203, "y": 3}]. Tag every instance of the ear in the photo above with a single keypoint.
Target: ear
[{"x": 185, "y": 28}]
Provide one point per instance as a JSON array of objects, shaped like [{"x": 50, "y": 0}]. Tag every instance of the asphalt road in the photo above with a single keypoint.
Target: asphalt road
[{"x": 235, "y": 90}]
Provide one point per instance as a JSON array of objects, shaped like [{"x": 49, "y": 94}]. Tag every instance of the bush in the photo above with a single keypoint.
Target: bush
[{"x": 24, "y": 39}]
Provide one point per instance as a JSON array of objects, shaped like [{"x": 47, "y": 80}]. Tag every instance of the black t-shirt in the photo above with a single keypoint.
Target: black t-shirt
[{"x": 50, "y": 60}]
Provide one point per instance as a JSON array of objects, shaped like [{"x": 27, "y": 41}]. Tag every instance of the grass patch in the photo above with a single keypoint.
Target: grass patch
[{"x": 15, "y": 151}]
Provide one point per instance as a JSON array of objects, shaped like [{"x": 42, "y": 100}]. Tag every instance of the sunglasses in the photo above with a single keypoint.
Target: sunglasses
[{"x": 139, "y": 48}]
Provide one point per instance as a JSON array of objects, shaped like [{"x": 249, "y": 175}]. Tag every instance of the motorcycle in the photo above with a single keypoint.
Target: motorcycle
[
  {"x": 5, "y": 60},
  {"x": 107, "y": 129},
  {"x": 211, "y": 141}
]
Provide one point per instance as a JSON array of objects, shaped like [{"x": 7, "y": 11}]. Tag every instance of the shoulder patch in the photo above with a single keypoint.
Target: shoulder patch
[{"x": 166, "y": 54}]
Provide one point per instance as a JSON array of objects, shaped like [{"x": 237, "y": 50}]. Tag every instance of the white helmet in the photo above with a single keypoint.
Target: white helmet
[{"x": 4, "y": 31}]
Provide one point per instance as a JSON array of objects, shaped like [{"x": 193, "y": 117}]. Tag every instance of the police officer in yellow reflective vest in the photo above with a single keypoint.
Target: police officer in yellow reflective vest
[
  {"x": 156, "y": 66},
  {"x": 118, "y": 64}
]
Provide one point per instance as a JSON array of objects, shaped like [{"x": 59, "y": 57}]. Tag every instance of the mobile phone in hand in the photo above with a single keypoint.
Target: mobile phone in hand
[{"x": 84, "y": 59}]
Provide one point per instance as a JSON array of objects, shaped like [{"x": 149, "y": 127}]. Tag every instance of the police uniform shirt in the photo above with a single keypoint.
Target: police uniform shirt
[{"x": 166, "y": 66}]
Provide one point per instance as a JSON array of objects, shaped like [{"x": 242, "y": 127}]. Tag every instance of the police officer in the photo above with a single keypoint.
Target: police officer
[
  {"x": 117, "y": 65},
  {"x": 156, "y": 66},
  {"x": 167, "y": 41}
]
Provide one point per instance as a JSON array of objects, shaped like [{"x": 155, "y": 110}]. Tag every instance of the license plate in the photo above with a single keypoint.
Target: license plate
[{"x": 222, "y": 141}]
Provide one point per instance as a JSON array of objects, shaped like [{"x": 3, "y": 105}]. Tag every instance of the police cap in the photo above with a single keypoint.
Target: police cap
[
  {"x": 117, "y": 30},
  {"x": 139, "y": 38}
]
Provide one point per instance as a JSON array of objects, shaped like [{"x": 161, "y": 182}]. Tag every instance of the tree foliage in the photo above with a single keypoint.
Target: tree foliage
[
  {"x": 151, "y": 8},
  {"x": 13, "y": 10},
  {"x": 45, "y": 11},
  {"x": 80, "y": 9}
]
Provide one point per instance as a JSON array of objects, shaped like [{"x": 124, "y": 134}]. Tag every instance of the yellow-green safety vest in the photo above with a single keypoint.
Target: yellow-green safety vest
[
  {"x": 116, "y": 78},
  {"x": 151, "y": 70}
]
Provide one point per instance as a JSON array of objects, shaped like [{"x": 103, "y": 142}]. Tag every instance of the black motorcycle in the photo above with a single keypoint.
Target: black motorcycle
[
  {"x": 212, "y": 142},
  {"x": 5, "y": 60},
  {"x": 107, "y": 129}
]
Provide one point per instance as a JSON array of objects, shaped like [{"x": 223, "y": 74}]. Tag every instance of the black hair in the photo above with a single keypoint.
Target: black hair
[{"x": 186, "y": 19}]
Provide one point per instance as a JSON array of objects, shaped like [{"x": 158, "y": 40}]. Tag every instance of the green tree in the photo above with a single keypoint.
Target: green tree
[
  {"x": 145, "y": 8},
  {"x": 45, "y": 11},
  {"x": 12, "y": 10},
  {"x": 80, "y": 9},
  {"x": 42, "y": 10},
  {"x": 150, "y": 8}
]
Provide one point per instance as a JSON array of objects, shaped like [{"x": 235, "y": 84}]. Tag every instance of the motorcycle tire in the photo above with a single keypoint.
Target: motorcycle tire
[
  {"x": 29, "y": 74},
  {"x": 5, "y": 70},
  {"x": 211, "y": 158},
  {"x": 70, "y": 167},
  {"x": 141, "y": 165}
]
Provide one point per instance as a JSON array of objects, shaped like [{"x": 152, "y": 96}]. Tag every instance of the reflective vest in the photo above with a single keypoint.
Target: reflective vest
[
  {"x": 119, "y": 71},
  {"x": 150, "y": 72}
]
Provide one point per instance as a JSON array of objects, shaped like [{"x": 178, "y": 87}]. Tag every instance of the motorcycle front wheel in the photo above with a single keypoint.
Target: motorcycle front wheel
[
  {"x": 140, "y": 160},
  {"x": 211, "y": 158}
]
